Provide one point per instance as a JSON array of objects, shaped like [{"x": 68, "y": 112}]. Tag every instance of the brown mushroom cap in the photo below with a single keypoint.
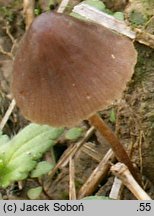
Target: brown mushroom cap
[{"x": 67, "y": 69}]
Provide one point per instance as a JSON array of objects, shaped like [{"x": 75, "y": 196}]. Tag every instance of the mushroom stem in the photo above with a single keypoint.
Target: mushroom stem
[{"x": 116, "y": 146}]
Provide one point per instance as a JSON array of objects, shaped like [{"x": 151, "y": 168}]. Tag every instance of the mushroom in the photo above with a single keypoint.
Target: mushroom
[{"x": 66, "y": 70}]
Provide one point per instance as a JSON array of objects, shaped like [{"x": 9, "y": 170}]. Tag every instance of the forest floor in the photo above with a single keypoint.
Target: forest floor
[{"x": 134, "y": 122}]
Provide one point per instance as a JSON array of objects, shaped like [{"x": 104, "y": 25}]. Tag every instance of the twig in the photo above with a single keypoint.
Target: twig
[
  {"x": 144, "y": 37},
  {"x": 62, "y": 6},
  {"x": 7, "y": 27},
  {"x": 104, "y": 19},
  {"x": 13, "y": 40},
  {"x": 9, "y": 54},
  {"x": 7, "y": 114},
  {"x": 140, "y": 150},
  {"x": 28, "y": 11},
  {"x": 70, "y": 152},
  {"x": 89, "y": 150},
  {"x": 20, "y": 184},
  {"x": 97, "y": 175},
  {"x": 116, "y": 189},
  {"x": 121, "y": 171},
  {"x": 72, "y": 190},
  {"x": 110, "y": 22}
]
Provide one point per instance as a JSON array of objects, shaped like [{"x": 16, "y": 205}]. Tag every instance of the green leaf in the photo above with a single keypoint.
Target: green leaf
[
  {"x": 119, "y": 15},
  {"x": 34, "y": 193},
  {"x": 4, "y": 139},
  {"x": 42, "y": 168},
  {"x": 74, "y": 133},
  {"x": 22, "y": 152},
  {"x": 31, "y": 137},
  {"x": 112, "y": 116},
  {"x": 96, "y": 4}
]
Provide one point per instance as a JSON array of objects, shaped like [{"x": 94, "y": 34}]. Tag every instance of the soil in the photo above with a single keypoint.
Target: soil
[{"x": 134, "y": 123}]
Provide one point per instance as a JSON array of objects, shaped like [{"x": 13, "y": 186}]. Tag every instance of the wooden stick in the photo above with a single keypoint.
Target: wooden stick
[
  {"x": 116, "y": 189},
  {"x": 7, "y": 114},
  {"x": 72, "y": 189},
  {"x": 62, "y": 6},
  {"x": 97, "y": 175},
  {"x": 112, "y": 23},
  {"x": 121, "y": 171},
  {"x": 28, "y": 11},
  {"x": 95, "y": 15}
]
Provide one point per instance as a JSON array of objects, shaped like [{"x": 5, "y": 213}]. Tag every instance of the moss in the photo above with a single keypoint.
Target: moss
[
  {"x": 145, "y": 63},
  {"x": 137, "y": 18}
]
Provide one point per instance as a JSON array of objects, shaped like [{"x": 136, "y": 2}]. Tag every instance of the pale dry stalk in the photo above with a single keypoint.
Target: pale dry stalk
[
  {"x": 72, "y": 189},
  {"x": 122, "y": 172},
  {"x": 62, "y": 6},
  {"x": 28, "y": 11},
  {"x": 97, "y": 175}
]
